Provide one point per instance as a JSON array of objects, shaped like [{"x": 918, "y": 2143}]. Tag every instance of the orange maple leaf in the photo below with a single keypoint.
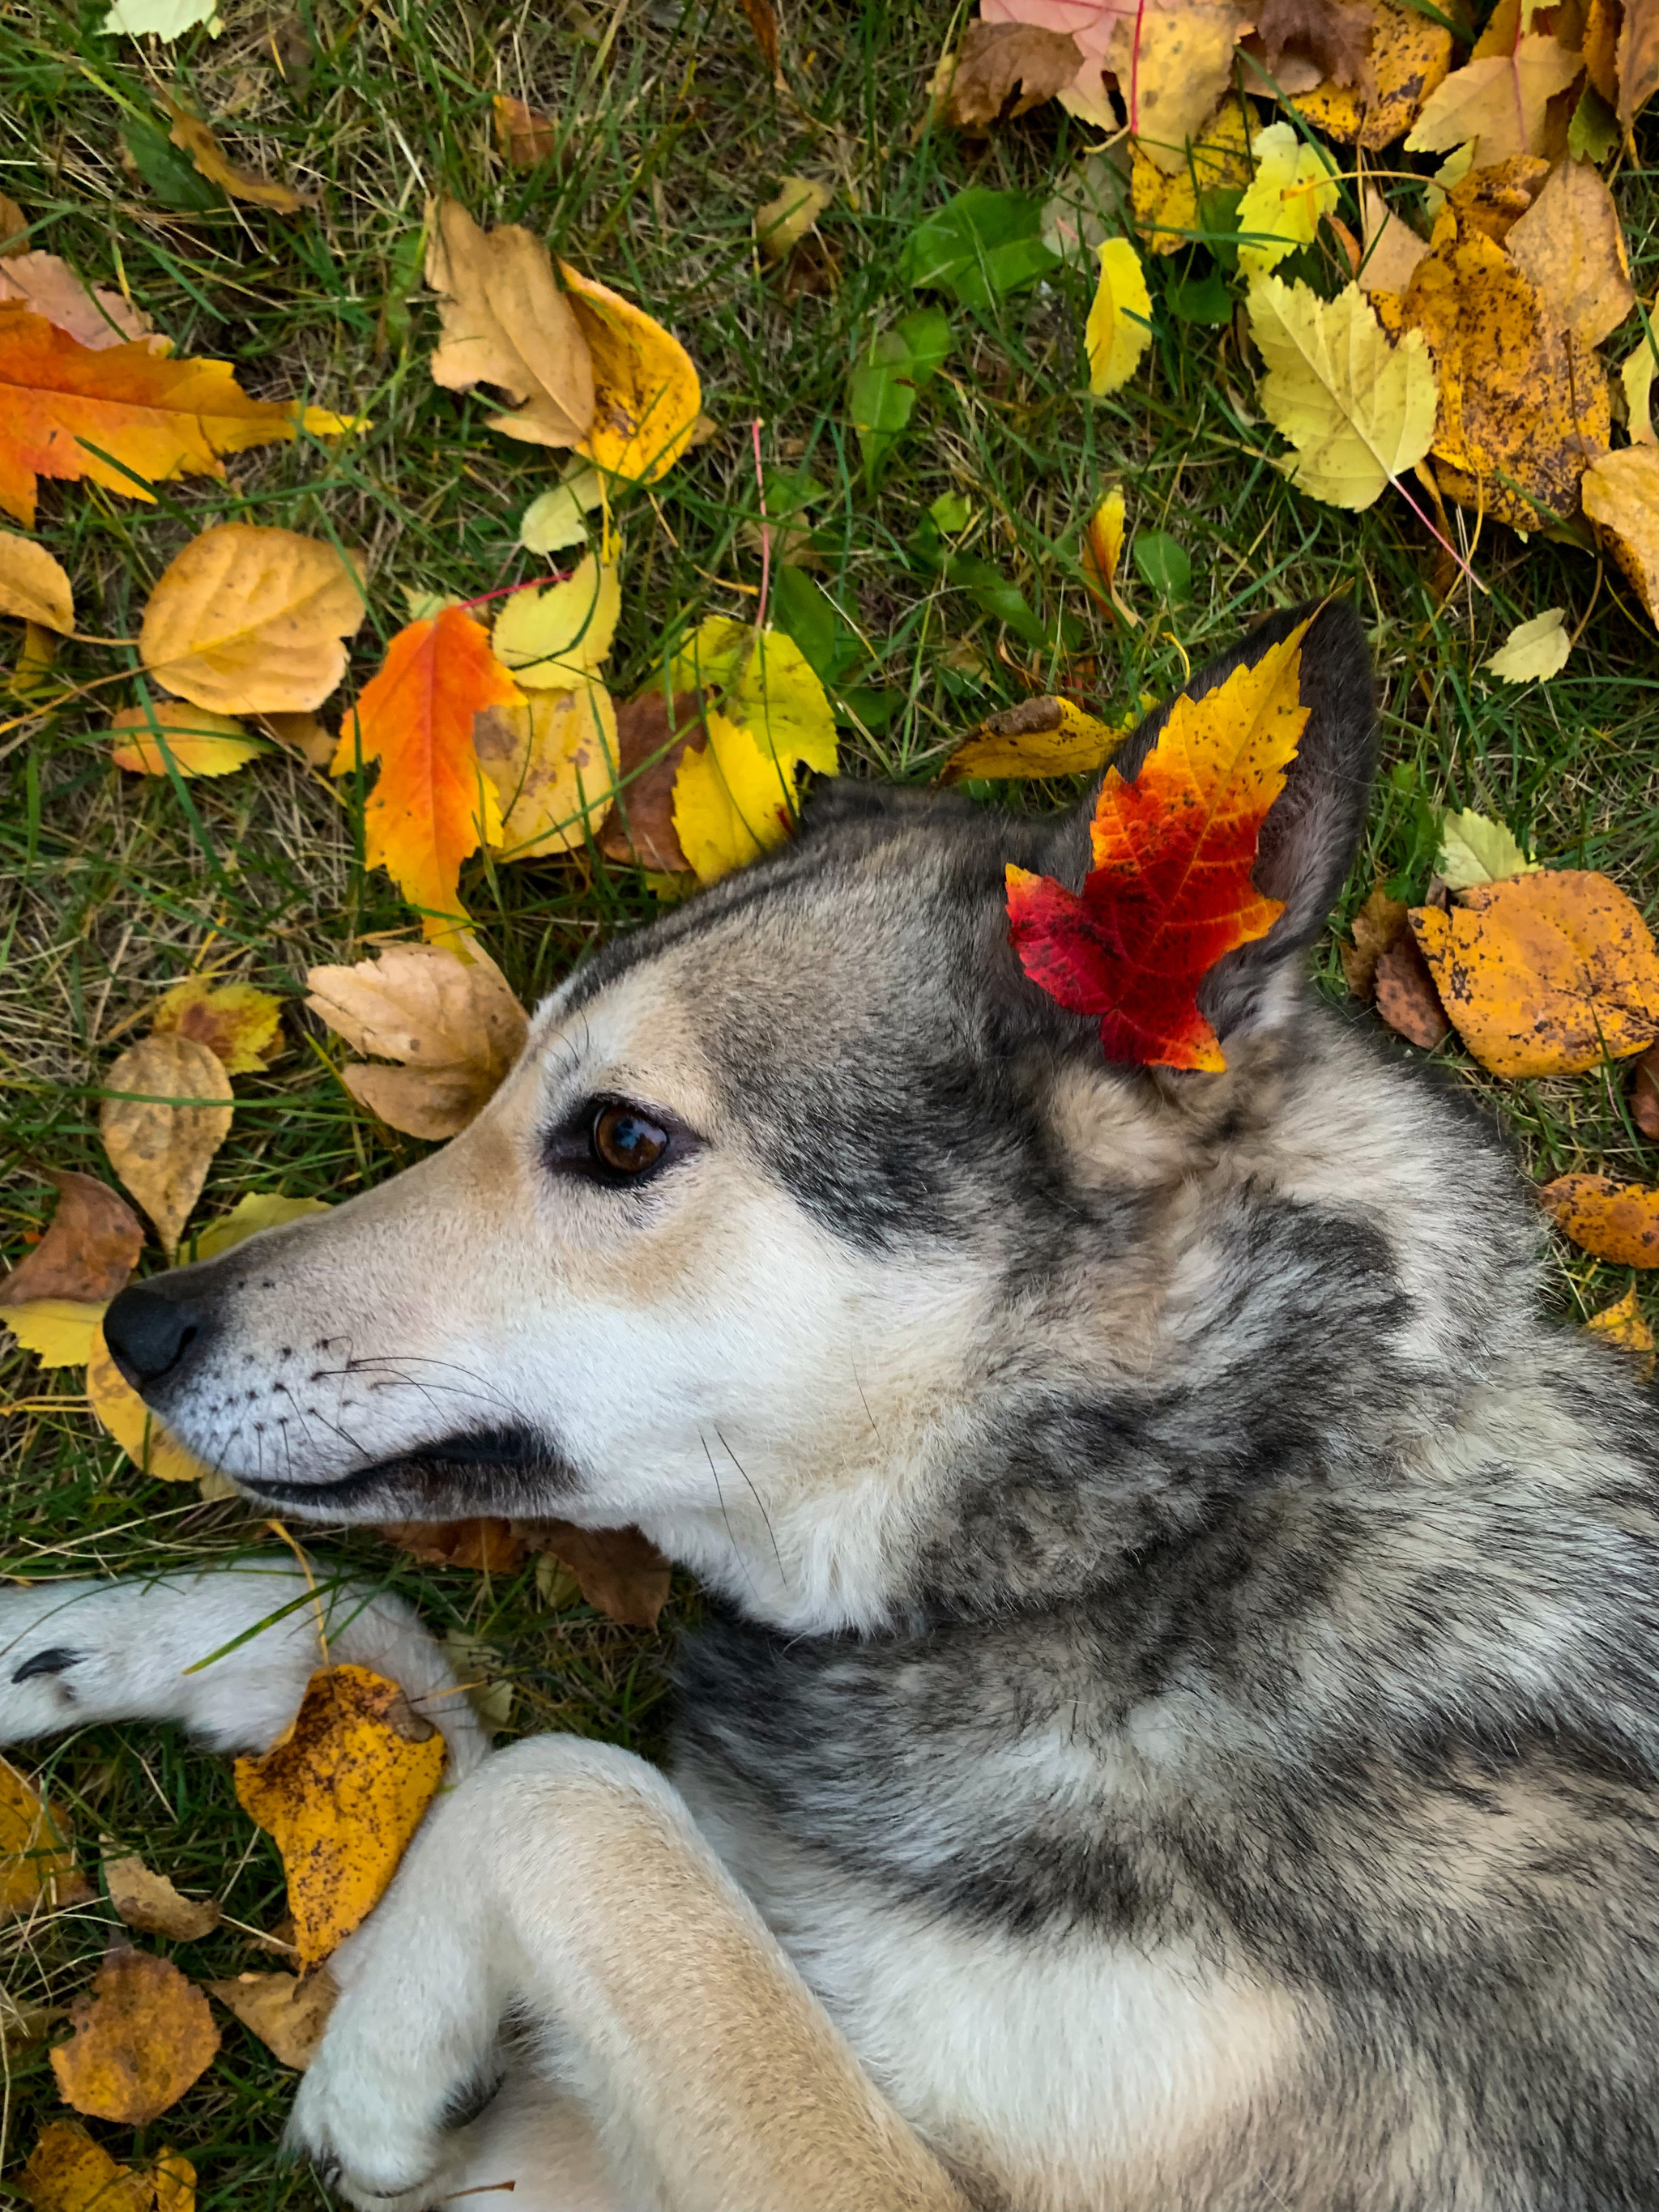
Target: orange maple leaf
[
  {"x": 1172, "y": 888},
  {"x": 432, "y": 803},
  {"x": 60, "y": 400}
]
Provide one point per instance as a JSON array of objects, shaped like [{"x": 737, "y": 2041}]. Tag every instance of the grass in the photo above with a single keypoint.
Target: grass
[{"x": 670, "y": 137}]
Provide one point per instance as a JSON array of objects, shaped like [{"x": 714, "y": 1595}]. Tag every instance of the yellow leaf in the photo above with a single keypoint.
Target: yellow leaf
[
  {"x": 1164, "y": 207},
  {"x": 35, "y": 656},
  {"x": 1119, "y": 321},
  {"x": 554, "y": 518},
  {"x": 37, "y": 1866},
  {"x": 647, "y": 399},
  {"x": 250, "y": 621},
  {"x": 1532, "y": 652},
  {"x": 1408, "y": 56},
  {"x": 1570, "y": 243},
  {"x": 1626, "y": 1325},
  {"x": 1500, "y": 102},
  {"x": 288, "y": 2016},
  {"x": 67, "y": 2171},
  {"x": 553, "y": 762},
  {"x": 148, "y": 1901},
  {"x": 207, "y": 157},
  {"x": 1636, "y": 376},
  {"x": 782, "y": 224},
  {"x": 34, "y": 585},
  {"x": 162, "y": 1139},
  {"x": 1359, "y": 411},
  {"x": 59, "y": 1332},
  {"x": 1173, "y": 64},
  {"x": 119, "y": 1410},
  {"x": 735, "y": 798},
  {"x": 1621, "y": 498},
  {"x": 343, "y": 1790},
  {"x": 142, "y": 2037},
  {"x": 555, "y": 638},
  {"x": 1474, "y": 849},
  {"x": 196, "y": 741},
  {"x": 1293, "y": 190},
  {"x": 257, "y": 1210},
  {"x": 454, "y": 1022},
  {"x": 507, "y": 324},
  {"x": 1447, "y": 177},
  {"x": 1044, "y": 737},
  {"x": 241, "y": 1026},
  {"x": 303, "y": 734},
  {"x": 163, "y": 19}
]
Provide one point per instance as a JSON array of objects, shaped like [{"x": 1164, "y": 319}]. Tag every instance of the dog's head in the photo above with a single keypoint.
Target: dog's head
[{"x": 804, "y": 1209}]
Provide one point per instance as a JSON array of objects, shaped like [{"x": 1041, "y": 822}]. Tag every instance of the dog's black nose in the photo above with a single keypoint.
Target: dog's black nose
[{"x": 149, "y": 1333}]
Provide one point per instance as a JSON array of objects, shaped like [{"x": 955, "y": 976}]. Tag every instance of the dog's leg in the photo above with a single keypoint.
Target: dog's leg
[
  {"x": 567, "y": 1885},
  {"x": 74, "y": 1652}
]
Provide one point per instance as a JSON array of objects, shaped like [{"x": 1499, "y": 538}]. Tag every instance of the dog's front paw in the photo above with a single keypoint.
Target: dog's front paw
[
  {"x": 50, "y": 1656},
  {"x": 379, "y": 2136}
]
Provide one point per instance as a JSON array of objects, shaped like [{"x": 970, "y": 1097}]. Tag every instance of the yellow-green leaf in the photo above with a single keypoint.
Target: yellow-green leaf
[
  {"x": 1474, "y": 849},
  {"x": 1293, "y": 190},
  {"x": 1532, "y": 652},
  {"x": 59, "y": 1332},
  {"x": 1359, "y": 411},
  {"x": 1119, "y": 321},
  {"x": 556, "y": 638}
]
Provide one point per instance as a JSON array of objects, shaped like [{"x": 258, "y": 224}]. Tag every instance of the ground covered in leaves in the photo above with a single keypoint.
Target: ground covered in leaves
[{"x": 667, "y": 128}]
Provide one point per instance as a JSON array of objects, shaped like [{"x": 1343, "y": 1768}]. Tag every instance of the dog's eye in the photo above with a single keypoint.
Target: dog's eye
[{"x": 626, "y": 1141}]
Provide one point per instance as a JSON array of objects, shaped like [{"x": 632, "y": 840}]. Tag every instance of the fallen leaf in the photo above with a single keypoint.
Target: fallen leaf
[
  {"x": 192, "y": 136},
  {"x": 1173, "y": 63},
  {"x": 784, "y": 221},
  {"x": 1102, "y": 549},
  {"x": 558, "y": 636},
  {"x": 554, "y": 518},
  {"x": 156, "y": 418},
  {"x": 166, "y": 20},
  {"x": 1136, "y": 945},
  {"x": 1474, "y": 849},
  {"x": 484, "y": 1546},
  {"x": 1392, "y": 249},
  {"x": 735, "y": 798},
  {"x": 1644, "y": 1092},
  {"x": 14, "y": 228},
  {"x": 1570, "y": 243},
  {"x": 647, "y": 402},
  {"x": 288, "y": 2016},
  {"x": 59, "y": 1332},
  {"x": 251, "y": 621},
  {"x": 1602, "y": 19},
  {"x": 1008, "y": 69},
  {"x": 1614, "y": 1221},
  {"x": 343, "y": 1790},
  {"x": 1359, "y": 411},
  {"x": 524, "y": 135},
  {"x": 31, "y": 674},
  {"x": 252, "y": 1212},
  {"x": 141, "y": 2037},
  {"x": 1119, "y": 329},
  {"x": 1407, "y": 58},
  {"x": 1626, "y": 1325},
  {"x": 651, "y": 738},
  {"x": 454, "y": 1024},
  {"x": 34, "y": 585},
  {"x": 149, "y": 1902},
  {"x": 553, "y": 762},
  {"x": 1041, "y": 737},
  {"x": 1489, "y": 200},
  {"x": 37, "y": 1864},
  {"x": 89, "y": 1252},
  {"x": 1331, "y": 34},
  {"x": 1091, "y": 24},
  {"x": 1638, "y": 58},
  {"x": 1544, "y": 974},
  {"x": 1406, "y": 995},
  {"x": 1166, "y": 207},
  {"x": 161, "y": 1140},
  {"x": 432, "y": 803},
  {"x": 1293, "y": 190},
  {"x": 1636, "y": 378},
  {"x": 164, "y": 735},
  {"x": 304, "y": 734},
  {"x": 1534, "y": 651},
  {"x": 763, "y": 20},
  {"x": 237, "y": 1023},
  {"x": 97, "y": 319},
  {"x": 506, "y": 323},
  {"x": 1621, "y": 498},
  {"x": 1377, "y": 927},
  {"x": 67, "y": 2171},
  {"x": 1498, "y": 102},
  {"x": 118, "y": 1410},
  {"x": 475, "y": 1666},
  {"x": 620, "y": 1572}
]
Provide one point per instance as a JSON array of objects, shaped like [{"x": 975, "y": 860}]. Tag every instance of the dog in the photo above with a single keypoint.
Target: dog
[{"x": 1178, "y": 1724}]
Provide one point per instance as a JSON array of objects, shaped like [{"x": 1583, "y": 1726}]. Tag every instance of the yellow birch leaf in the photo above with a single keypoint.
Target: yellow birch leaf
[
  {"x": 1533, "y": 652},
  {"x": 1120, "y": 320},
  {"x": 735, "y": 798},
  {"x": 1636, "y": 376},
  {"x": 1407, "y": 57},
  {"x": 1570, "y": 243},
  {"x": 123, "y": 1413},
  {"x": 1359, "y": 411},
  {"x": 556, "y": 519},
  {"x": 251, "y": 621},
  {"x": 647, "y": 399},
  {"x": 556, "y": 638},
  {"x": 554, "y": 764},
  {"x": 342, "y": 1789},
  {"x": 288, "y": 2016},
  {"x": 37, "y": 1866},
  {"x": 142, "y": 2037},
  {"x": 240, "y": 1026},
  {"x": 1621, "y": 498},
  {"x": 1500, "y": 102},
  {"x": 196, "y": 741},
  {"x": 59, "y": 1332},
  {"x": 162, "y": 1139},
  {"x": 1626, "y": 1325},
  {"x": 1293, "y": 190},
  {"x": 1474, "y": 849},
  {"x": 1616, "y": 1221},
  {"x": 34, "y": 585},
  {"x": 782, "y": 224},
  {"x": 256, "y": 1210},
  {"x": 67, "y": 2171},
  {"x": 1164, "y": 207}
]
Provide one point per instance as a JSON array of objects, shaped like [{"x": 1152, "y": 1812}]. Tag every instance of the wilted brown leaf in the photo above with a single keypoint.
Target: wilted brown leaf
[
  {"x": 484, "y": 1546},
  {"x": 621, "y": 1573},
  {"x": 14, "y": 228},
  {"x": 252, "y": 621},
  {"x": 650, "y": 742},
  {"x": 1626, "y": 1325},
  {"x": 1613, "y": 1220},
  {"x": 1638, "y": 58},
  {"x": 87, "y": 1253},
  {"x": 1570, "y": 245},
  {"x": 1377, "y": 927},
  {"x": 162, "y": 1140},
  {"x": 523, "y": 133},
  {"x": 288, "y": 2016},
  {"x": 507, "y": 323},
  {"x": 149, "y": 1902},
  {"x": 342, "y": 1789},
  {"x": 1408, "y": 56},
  {"x": 1406, "y": 996},
  {"x": 67, "y": 2171},
  {"x": 37, "y": 1866},
  {"x": 1644, "y": 1092},
  {"x": 763, "y": 22},
  {"x": 453, "y": 1023},
  {"x": 192, "y": 136},
  {"x": 1331, "y": 34},
  {"x": 1008, "y": 69},
  {"x": 141, "y": 2037}
]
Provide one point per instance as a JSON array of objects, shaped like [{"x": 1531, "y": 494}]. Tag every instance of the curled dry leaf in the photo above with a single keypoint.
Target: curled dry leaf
[
  {"x": 454, "y": 1024},
  {"x": 1570, "y": 243},
  {"x": 162, "y": 1139},
  {"x": 1406, "y": 996},
  {"x": 141, "y": 2037},
  {"x": 1359, "y": 410},
  {"x": 1621, "y": 497},
  {"x": 342, "y": 1790},
  {"x": 507, "y": 324},
  {"x": 620, "y": 1572},
  {"x": 648, "y": 402},
  {"x": 119, "y": 1410},
  {"x": 67, "y": 2171},
  {"x": 164, "y": 737},
  {"x": 288, "y": 2016},
  {"x": 239, "y": 1024},
  {"x": 1007, "y": 69},
  {"x": 1377, "y": 925},
  {"x": 50, "y": 287},
  {"x": 252, "y": 621},
  {"x": 1331, "y": 35},
  {"x": 553, "y": 762},
  {"x": 1102, "y": 549},
  {"x": 1544, "y": 974},
  {"x": 784, "y": 221},
  {"x": 484, "y": 1546},
  {"x": 1616, "y": 1221},
  {"x": 1644, "y": 1092},
  {"x": 1626, "y": 1325},
  {"x": 149, "y": 1902},
  {"x": 1040, "y": 737},
  {"x": 34, "y": 585},
  {"x": 91, "y": 1250},
  {"x": 524, "y": 135},
  {"x": 37, "y": 1866},
  {"x": 192, "y": 136},
  {"x": 1407, "y": 57}
]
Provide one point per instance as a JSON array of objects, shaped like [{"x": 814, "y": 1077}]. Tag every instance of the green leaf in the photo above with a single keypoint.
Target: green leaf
[
  {"x": 1163, "y": 565},
  {"x": 805, "y": 612},
  {"x": 1594, "y": 130},
  {"x": 979, "y": 246},
  {"x": 951, "y": 513},
  {"x": 1202, "y": 299},
  {"x": 990, "y": 589},
  {"x": 926, "y": 334},
  {"x": 170, "y": 174},
  {"x": 882, "y": 392},
  {"x": 406, "y": 267}
]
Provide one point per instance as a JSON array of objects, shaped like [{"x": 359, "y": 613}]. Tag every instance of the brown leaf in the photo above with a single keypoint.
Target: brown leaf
[
  {"x": 1546, "y": 973},
  {"x": 485, "y": 1547},
  {"x": 1333, "y": 34},
  {"x": 192, "y": 136},
  {"x": 453, "y": 1023},
  {"x": 1616, "y": 1221},
  {"x": 1637, "y": 55},
  {"x": 161, "y": 1140},
  {"x": 523, "y": 133},
  {"x": 1408, "y": 56},
  {"x": 14, "y": 228},
  {"x": 288, "y": 2016},
  {"x": 149, "y": 1902},
  {"x": 67, "y": 2171},
  {"x": 303, "y": 734},
  {"x": 507, "y": 323},
  {"x": 37, "y": 1865},
  {"x": 1406, "y": 996},
  {"x": 640, "y": 828},
  {"x": 1621, "y": 498},
  {"x": 91, "y": 1250},
  {"x": 239, "y": 1024},
  {"x": 1644, "y": 1092},
  {"x": 1570, "y": 243},
  {"x": 1377, "y": 927},
  {"x": 1005, "y": 70},
  {"x": 95, "y": 319},
  {"x": 342, "y": 1789},
  {"x": 1626, "y": 1325},
  {"x": 141, "y": 2037},
  {"x": 763, "y": 22},
  {"x": 621, "y": 1573}
]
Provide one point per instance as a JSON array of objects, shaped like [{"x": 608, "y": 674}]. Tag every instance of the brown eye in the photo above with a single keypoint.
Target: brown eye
[{"x": 627, "y": 1141}]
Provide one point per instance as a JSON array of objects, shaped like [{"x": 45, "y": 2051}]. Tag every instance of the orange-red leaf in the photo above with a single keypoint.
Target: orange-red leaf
[
  {"x": 1171, "y": 889},
  {"x": 158, "y": 418},
  {"x": 431, "y": 804}
]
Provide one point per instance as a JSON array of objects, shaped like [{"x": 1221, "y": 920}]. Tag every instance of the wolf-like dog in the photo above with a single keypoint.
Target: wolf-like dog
[{"x": 1177, "y": 1728}]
